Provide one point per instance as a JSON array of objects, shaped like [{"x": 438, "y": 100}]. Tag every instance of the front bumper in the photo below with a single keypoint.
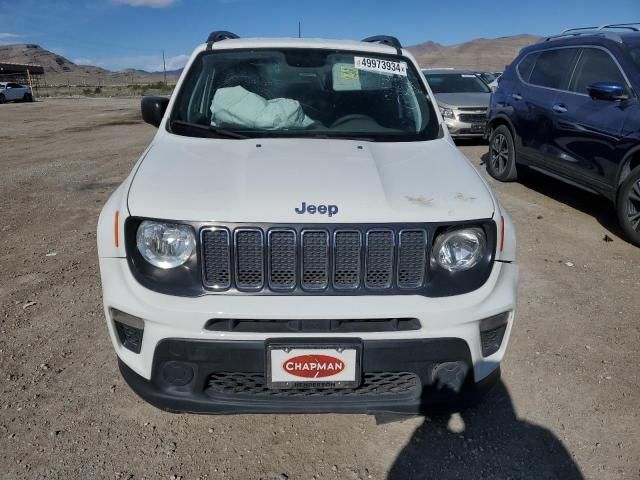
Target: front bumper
[
  {"x": 460, "y": 129},
  {"x": 444, "y": 320},
  {"x": 228, "y": 377}
]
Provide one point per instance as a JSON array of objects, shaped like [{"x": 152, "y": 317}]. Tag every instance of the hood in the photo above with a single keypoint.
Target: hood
[
  {"x": 478, "y": 99},
  {"x": 268, "y": 180}
]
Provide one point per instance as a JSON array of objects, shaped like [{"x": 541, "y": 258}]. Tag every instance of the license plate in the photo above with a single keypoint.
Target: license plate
[{"x": 313, "y": 366}]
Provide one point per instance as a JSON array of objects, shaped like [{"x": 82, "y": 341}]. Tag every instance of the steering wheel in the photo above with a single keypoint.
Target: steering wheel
[
  {"x": 351, "y": 117},
  {"x": 312, "y": 112}
]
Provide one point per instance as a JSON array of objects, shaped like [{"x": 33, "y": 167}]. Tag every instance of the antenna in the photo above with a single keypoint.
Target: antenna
[
  {"x": 299, "y": 29},
  {"x": 164, "y": 67}
]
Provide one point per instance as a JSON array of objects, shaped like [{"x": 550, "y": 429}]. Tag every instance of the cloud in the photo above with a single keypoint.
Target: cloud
[
  {"x": 146, "y": 3},
  {"x": 83, "y": 61},
  {"x": 176, "y": 62},
  {"x": 6, "y": 36}
]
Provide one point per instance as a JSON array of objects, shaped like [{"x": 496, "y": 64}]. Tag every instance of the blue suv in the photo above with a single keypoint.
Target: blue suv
[{"x": 569, "y": 107}]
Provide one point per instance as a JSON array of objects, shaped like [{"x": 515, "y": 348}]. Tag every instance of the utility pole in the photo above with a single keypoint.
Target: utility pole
[
  {"x": 299, "y": 29},
  {"x": 164, "y": 66}
]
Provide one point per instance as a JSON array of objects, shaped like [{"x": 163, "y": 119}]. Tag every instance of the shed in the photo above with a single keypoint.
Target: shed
[{"x": 19, "y": 73}]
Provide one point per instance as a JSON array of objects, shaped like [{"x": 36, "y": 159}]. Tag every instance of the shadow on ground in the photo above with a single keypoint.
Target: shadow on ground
[
  {"x": 486, "y": 442},
  {"x": 592, "y": 204}
]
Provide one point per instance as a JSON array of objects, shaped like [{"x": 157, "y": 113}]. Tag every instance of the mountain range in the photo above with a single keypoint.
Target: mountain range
[
  {"x": 486, "y": 54},
  {"x": 60, "y": 70},
  {"x": 483, "y": 54}
]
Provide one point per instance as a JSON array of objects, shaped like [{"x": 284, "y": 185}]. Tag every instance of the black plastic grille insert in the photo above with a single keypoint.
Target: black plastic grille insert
[
  {"x": 282, "y": 259},
  {"x": 249, "y": 259},
  {"x": 217, "y": 258},
  {"x": 380, "y": 252},
  {"x": 315, "y": 259},
  {"x": 380, "y": 384}
]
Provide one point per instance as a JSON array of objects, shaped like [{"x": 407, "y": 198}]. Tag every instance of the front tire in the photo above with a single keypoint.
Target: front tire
[
  {"x": 501, "y": 164},
  {"x": 2, "y": 99},
  {"x": 628, "y": 207}
]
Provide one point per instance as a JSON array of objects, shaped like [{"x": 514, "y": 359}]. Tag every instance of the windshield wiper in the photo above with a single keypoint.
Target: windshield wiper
[
  {"x": 221, "y": 132},
  {"x": 338, "y": 137}
]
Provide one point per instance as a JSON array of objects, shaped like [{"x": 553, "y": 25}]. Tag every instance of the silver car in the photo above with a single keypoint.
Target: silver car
[{"x": 463, "y": 100}]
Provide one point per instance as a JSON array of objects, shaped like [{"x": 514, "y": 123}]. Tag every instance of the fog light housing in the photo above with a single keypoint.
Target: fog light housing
[
  {"x": 177, "y": 374},
  {"x": 129, "y": 329},
  {"x": 492, "y": 332}
]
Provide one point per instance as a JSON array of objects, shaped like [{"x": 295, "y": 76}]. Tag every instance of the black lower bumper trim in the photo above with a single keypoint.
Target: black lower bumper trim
[{"x": 184, "y": 372}]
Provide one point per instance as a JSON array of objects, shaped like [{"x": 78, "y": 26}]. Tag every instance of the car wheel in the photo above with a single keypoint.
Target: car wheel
[
  {"x": 501, "y": 164},
  {"x": 3, "y": 99},
  {"x": 27, "y": 97},
  {"x": 628, "y": 207}
]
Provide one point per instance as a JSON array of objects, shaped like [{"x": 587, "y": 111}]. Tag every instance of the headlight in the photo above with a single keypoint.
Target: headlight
[
  {"x": 447, "y": 112},
  {"x": 458, "y": 250},
  {"x": 165, "y": 245}
]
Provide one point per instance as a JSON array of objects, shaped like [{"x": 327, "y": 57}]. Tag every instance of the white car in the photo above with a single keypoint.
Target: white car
[
  {"x": 12, "y": 92},
  {"x": 302, "y": 235}
]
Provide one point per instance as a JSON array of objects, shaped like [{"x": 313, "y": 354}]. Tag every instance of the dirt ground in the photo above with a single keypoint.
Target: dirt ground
[{"x": 568, "y": 405}]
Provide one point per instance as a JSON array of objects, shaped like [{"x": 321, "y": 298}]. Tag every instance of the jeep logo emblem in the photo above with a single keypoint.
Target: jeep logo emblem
[{"x": 330, "y": 210}]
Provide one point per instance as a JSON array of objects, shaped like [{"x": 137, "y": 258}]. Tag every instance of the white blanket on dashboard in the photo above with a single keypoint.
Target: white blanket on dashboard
[{"x": 237, "y": 106}]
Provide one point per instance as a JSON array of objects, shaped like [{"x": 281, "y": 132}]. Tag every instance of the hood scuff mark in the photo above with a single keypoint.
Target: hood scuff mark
[
  {"x": 419, "y": 201},
  {"x": 463, "y": 198}
]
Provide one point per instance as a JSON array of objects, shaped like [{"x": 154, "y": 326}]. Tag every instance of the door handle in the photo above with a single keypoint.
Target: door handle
[
  {"x": 516, "y": 96},
  {"x": 559, "y": 108}
]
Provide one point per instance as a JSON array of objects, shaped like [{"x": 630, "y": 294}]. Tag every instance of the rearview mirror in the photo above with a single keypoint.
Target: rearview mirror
[
  {"x": 153, "y": 109},
  {"x": 606, "y": 91}
]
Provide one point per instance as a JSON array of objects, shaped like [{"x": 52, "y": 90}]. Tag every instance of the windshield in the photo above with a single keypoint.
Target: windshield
[
  {"x": 456, "y": 83},
  {"x": 487, "y": 77},
  {"x": 303, "y": 93}
]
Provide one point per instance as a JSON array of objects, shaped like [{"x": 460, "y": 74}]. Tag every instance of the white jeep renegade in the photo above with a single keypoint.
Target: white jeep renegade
[{"x": 302, "y": 235}]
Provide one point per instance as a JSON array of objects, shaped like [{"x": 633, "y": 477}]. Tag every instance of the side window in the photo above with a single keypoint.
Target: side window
[
  {"x": 595, "y": 65},
  {"x": 553, "y": 67},
  {"x": 525, "y": 67}
]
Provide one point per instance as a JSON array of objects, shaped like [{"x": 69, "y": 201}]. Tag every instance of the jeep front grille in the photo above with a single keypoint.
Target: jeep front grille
[{"x": 313, "y": 259}]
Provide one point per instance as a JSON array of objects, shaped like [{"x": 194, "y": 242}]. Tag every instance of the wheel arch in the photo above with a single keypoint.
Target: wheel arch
[
  {"x": 502, "y": 119},
  {"x": 630, "y": 162}
]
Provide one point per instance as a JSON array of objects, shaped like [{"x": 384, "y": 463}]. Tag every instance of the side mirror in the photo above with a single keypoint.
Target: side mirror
[
  {"x": 153, "y": 109},
  {"x": 606, "y": 91}
]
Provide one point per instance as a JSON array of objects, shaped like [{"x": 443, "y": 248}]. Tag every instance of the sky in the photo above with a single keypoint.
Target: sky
[{"x": 119, "y": 34}]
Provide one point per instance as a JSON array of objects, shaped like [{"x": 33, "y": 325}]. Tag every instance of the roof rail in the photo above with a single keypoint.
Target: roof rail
[
  {"x": 633, "y": 26},
  {"x": 601, "y": 30},
  {"x": 218, "y": 36},
  {"x": 385, "y": 40}
]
